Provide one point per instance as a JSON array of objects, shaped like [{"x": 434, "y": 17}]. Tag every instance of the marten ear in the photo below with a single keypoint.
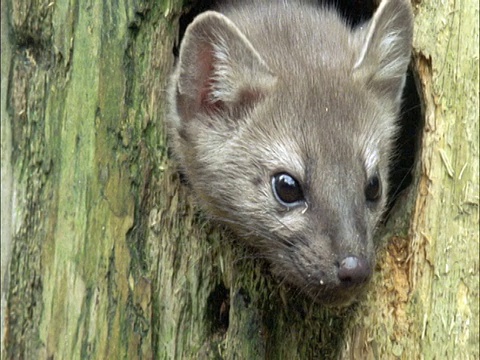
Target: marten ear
[
  {"x": 385, "y": 48},
  {"x": 218, "y": 70}
]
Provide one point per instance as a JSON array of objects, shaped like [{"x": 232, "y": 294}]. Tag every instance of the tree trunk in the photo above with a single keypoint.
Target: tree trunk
[{"x": 105, "y": 256}]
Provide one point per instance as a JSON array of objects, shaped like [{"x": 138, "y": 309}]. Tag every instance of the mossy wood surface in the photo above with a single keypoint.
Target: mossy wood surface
[{"x": 110, "y": 259}]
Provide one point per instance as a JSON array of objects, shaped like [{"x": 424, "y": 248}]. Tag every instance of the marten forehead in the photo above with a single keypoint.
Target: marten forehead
[
  {"x": 326, "y": 98},
  {"x": 318, "y": 119},
  {"x": 312, "y": 158}
]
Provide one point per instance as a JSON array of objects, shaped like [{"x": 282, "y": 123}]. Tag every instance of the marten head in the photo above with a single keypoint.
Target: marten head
[{"x": 282, "y": 119}]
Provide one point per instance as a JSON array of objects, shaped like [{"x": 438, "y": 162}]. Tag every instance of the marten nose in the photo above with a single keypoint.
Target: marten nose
[{"x": 353, "y": 270}]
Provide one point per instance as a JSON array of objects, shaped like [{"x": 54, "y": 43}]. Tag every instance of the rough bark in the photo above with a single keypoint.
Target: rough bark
[
  {"x": 109, "y": 256},
  {"x": 84, "y": 98}
]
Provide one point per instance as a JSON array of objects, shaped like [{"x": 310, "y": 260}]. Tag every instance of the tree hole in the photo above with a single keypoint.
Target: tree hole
[
  {"x": 408, "y": 140},
  {"x": 218, "y": 309}
]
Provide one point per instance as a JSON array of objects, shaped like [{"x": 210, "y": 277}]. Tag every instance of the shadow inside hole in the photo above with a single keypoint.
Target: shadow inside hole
[
  {"x": 407, "y": 143},
  {"x": 354, "y": 12},
  {"x": 218, "y": 309}
]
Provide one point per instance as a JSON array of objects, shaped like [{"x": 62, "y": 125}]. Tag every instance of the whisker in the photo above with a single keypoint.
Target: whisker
[
  {"x": 399, "y": 183},
  {"x": 407, "y": 110}
]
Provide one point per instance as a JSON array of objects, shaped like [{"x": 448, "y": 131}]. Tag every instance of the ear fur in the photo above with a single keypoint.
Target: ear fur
[
  {"x": 385, "y": 53},
  {"x": 218, "y": 69}
]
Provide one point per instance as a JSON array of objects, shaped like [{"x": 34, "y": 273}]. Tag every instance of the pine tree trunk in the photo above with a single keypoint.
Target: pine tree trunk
[{"x": 105, "y": 256}]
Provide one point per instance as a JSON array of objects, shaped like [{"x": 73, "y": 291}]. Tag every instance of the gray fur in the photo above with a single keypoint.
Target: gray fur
[{"x": 287, "y": 86}]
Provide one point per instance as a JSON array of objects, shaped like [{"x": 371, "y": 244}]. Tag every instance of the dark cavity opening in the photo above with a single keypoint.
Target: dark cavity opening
[
  {"x": 218, "y": 309},
  {"x": 410, "y": 122},
  {"x": 407, "y": 144}
]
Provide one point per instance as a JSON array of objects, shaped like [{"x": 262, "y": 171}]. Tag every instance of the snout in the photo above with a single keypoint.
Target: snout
[
  {"x": 338, "y": 283},
  {"x": 353, "y": 271}
]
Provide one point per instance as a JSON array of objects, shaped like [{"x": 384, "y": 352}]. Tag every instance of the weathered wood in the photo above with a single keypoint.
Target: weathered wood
[
  {"x": 84, "y": 96},
  {"x": 110, "y": 257}
]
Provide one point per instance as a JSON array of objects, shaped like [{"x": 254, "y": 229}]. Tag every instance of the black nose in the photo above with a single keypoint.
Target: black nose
[{"x": 353, "y": 270}]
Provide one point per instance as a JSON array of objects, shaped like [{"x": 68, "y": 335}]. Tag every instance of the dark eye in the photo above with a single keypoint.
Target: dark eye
[
  {"x": 373, "y": 190},
  {"x": 287, "y": 189}
]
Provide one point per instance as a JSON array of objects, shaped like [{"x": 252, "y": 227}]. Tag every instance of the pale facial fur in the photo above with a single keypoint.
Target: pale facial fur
[{"x": 286, "y": 87}]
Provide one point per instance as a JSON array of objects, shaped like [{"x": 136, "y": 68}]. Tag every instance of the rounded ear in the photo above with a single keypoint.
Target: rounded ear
[
  {"x": 218, "y": 68},
  {"x": 386, "y": 48}
]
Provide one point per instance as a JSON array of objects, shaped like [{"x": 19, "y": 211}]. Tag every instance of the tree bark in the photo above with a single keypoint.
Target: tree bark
[{"x": 104, "y": 254}]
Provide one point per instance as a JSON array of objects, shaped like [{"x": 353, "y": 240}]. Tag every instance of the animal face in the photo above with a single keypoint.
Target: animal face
[{"x": 282, "y": 119}]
